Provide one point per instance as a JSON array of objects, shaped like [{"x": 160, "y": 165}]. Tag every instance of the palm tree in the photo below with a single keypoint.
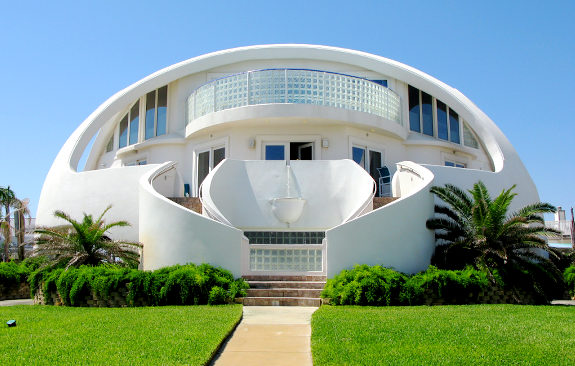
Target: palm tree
[
  {"x": 7, "y": 198},
  {"x": 85, "y": 242},
  {"x": 473, "y": 229},
  {"x": 20, "y": 213}
]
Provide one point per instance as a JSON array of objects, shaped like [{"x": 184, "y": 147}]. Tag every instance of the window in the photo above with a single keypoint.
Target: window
[
  {"x": 289, "y": 150},
  {"x": 468, "y": 137},
  {"x": 207, "y": 160},
  {"x": 425, "y": 119},
  {"x": 454, "y": 164},
  {"x": 156, "y": 112},
  {"x": 129, "y": 131},
  {"x": 442, "y": 130},
  {"x": 414, "y": 112},
  {"x": 275, "y": 152},
  {"x": 110, "y": 145},
  {"x": 453, "y": 126},
  {"x": 380, "y": 82},
  {"x": 137, "y": 162}
]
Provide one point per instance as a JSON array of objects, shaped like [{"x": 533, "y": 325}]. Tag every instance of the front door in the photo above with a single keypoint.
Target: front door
[{"x": 369, "y": 160}]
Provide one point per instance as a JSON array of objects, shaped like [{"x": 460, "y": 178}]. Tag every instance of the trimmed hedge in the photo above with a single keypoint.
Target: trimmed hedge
[
  {"x": 380, "y": 286},
  {"x": 188, "y": 284}
]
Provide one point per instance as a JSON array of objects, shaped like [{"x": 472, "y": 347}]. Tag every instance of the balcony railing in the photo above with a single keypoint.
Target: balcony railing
[{"x": 295, "y": 86}]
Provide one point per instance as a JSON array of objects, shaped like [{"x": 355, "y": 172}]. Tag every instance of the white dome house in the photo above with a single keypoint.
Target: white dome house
[{"x": 281, "y": 160}]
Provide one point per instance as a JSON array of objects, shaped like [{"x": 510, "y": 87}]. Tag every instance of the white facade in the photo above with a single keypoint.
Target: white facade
[{"x": 331, "y": 116}]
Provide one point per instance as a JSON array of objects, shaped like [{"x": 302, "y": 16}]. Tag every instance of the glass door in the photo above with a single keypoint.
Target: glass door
[
  {"x": 208, "y": 160},
  {"x": 370, "y": 160}
]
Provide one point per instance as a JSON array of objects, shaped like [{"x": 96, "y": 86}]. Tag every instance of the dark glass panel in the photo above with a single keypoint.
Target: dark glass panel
[
  {"x": 150, "y": 114},
  {"x": 219, "y": 155},
  {"x": 449, "y": 163},
  {"x": 374, "y": 164},
  {"x": 203, "y": 166},
  {"x": 453, "y": 126},
  {"x": 134, "y": 123},
  {"x": 414, "y": 109},
  {"x": 359, "y": 156},
  {"x": 275, "y": 152},
  {"x": 442, "y": 120},
  {"x": 427, "y": 113},
  {"x": 162, "y": 111},
  {"x": 124, "y": 131}
]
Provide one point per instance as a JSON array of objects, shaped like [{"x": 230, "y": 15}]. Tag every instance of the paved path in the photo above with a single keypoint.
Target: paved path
[
  {"x": 270, "y": 335},
  {"x": 16, "y": 302}
]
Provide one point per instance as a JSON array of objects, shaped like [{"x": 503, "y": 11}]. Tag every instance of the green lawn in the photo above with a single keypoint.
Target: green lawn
[
  {"x": 117, "y": 336},
  {"x": 444, "y": 335}
]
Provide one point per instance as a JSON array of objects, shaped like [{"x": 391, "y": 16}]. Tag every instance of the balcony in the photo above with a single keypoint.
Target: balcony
[{"x": 295, "y": 86}]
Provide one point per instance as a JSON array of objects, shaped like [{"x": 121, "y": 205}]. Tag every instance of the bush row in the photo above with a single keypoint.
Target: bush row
[
  {"x": 14, "y": 273},
  {"x": 188, "y": 284},
  {"x": 377, "y": 286}
]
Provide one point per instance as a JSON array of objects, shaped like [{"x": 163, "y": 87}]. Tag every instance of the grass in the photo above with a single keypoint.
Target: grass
[
  {"x": 444, "y": 335},
  {"x": 151, "y": 335}
]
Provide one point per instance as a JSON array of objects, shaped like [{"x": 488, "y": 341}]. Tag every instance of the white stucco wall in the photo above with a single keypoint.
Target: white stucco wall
[
  {"x": 172, "y": 234},
  {"x": 394, "y": 236}
]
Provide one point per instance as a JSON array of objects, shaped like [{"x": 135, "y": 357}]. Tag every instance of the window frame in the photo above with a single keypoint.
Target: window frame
[{"x": 209, "y": 146}]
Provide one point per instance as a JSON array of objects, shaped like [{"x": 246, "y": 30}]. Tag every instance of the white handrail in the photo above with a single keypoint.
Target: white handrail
[
  {"x": 212, "y": 213},
  {"x": 358, "y": 212}
]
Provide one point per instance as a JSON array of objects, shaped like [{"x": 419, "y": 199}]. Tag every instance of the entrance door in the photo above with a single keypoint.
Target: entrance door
[
  {"x": 304, "y": 150},
  {"x": 369, "y": 160},
  {"x": 208, "y": 160},
  {"x": 288, "y": 151}
]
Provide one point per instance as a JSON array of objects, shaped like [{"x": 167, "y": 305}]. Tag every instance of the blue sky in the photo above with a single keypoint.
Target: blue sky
[{"x": 62, "y": 59}]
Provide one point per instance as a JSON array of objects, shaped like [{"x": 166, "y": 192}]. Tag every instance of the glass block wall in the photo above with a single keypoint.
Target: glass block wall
[{"x": 295, "y": 86}]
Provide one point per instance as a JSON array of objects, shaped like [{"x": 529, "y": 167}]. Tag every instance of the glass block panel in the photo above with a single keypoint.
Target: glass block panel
[{"x": 286, "y": 260}]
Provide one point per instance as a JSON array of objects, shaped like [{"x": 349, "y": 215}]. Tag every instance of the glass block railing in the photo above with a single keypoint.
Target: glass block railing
[{"x": 295, "y": 86}]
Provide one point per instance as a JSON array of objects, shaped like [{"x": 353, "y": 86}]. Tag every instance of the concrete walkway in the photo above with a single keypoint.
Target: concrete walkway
[
  {"x": 270, "y": 335},
  {"x": 17, "y": 302}
]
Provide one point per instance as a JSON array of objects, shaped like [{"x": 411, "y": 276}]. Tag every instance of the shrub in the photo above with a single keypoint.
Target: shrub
[
  {"x": 380, "y": 286},
  {"x": 365, "y": 285},
  {"x": 569, "y": 276},
  {"x": 176, "y": 285},
  {"x": 453, "y": 285},
  {"x": 13, "y": 273}
]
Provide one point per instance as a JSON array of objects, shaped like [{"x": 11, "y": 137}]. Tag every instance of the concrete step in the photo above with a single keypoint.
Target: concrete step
[
  {"x": 285, "y": 278},
  {"x": 287, "y": 284},
  {"x": 284, "y": 292},
  {"x": 281, "y": 301}
]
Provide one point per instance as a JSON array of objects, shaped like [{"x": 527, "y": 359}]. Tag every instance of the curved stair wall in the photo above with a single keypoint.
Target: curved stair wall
[
  {"x": 241, "y": 192},
  {"x": 394, "y": 236},
  {"x": 172, "y": 234}
]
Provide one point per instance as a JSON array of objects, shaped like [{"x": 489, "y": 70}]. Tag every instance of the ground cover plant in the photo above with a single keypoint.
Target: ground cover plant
[
  {"x": 443, "y": 335},
  {"x": 169, "y": 335},
  {"x": 14, "y": 273},
  {"x": 188, "y": 284}
]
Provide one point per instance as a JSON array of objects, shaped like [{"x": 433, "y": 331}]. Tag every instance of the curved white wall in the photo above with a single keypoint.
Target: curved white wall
[
  {"x": 242, "y": 191},
  {"x": 172, "y": 234},
  {"x": 395, "y": 235}
]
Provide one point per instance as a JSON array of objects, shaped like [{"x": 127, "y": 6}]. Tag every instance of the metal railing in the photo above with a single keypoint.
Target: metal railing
[{"x": 294, "y": 86}]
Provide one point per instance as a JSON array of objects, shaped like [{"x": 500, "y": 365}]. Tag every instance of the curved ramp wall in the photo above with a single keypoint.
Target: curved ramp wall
[
  {"x": 242, "y": 191},
  {"x": 173, "y": 234},
  {"x": 395, "y": 235}
]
